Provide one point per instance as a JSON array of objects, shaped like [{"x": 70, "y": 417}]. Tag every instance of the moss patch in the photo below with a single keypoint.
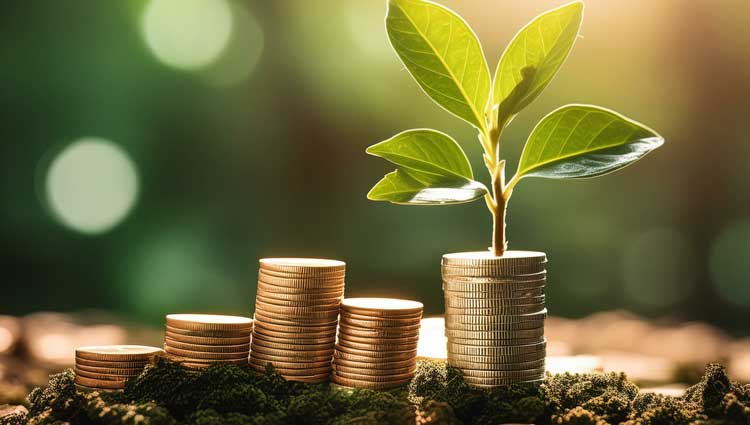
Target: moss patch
[{"x": 167, "y": 394}]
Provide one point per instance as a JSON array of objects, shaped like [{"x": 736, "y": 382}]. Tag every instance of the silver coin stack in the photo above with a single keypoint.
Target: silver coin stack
[{"x": 494, "y": 316}]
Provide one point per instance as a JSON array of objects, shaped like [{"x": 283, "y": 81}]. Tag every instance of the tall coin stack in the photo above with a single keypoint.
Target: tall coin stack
[
  {"x": 110, "y": 366},
  {"x": 296, "y": 313},
  {"x": 198, "y": 340},
  {"x": 494, "y": 316},
  {"x": 377, "y": 343}
]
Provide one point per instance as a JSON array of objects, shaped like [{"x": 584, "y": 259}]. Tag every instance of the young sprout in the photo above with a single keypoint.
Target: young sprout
[{"x": 445, "y": 57}]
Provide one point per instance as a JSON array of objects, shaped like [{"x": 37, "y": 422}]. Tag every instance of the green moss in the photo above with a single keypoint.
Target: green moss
[{"x": 167, "y": 394}]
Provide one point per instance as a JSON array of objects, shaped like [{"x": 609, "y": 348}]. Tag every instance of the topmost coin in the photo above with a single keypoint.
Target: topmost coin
[
  {"x": 214, "y": 322},
  {"x": 117, "y": 352},
  {"x": 308, "y": 266},
  {"x": 381, "y": 306},
  {"x": 486, "y": 258}
]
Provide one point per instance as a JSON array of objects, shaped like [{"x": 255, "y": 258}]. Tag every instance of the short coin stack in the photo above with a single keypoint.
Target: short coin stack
[
  {"x": 296, "y": 313},
  {"x": 198, "y": 340},
  {"x": 494, "y": 316},
  {"x": 109, "y": 367},
  {"x": 377, "y": 343}
]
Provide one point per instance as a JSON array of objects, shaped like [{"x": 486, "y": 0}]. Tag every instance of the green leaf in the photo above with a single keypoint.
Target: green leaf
[
  {"x": 426, "y": 151},
  {"x": 533, "y": 57},
  {"x": 433, "y": 169},
  {"x": 405, "y": 186},
  {"x": 579, "y": 141},
  {"x": 442, "y": 53}
]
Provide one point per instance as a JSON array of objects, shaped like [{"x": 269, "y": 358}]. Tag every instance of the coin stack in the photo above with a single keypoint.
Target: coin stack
[
  {"x": 494, "y": 316},
  {"x": 377, "y": 343},
  {"x": 198, "y": 340},
  {"x": 108, "y": 367},
  {"x": 296, "y": 313}
]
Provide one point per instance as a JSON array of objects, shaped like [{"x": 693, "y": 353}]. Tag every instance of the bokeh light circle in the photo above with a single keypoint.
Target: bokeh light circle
[
  {"x": 187, "y": 34},
  {"x": 658, "y": 268},
  {"x": 91, "y": 185},
  {"x": 730, "y": 263}
]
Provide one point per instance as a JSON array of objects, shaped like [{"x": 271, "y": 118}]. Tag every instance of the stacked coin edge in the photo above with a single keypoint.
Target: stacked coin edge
[
  {"x": 109, "y": 367},
  {"x": 199, "y": 340}
]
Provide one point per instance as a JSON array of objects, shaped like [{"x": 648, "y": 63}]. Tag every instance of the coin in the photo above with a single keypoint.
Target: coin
[
  {"x": 375, "y": 378},
  {"x": 495, "y": 327},
  {"x": 378, "y": 332},
  {"x": 500, "y": 311},
  {"x": 314, "y": 379},
  {"x": 190, "y": 354},
  {"x": 411, "y": 318},
  {"x": 282, "y": 356},
  {"x": 101, "y": 376},
  {"x": 287, "y": 354},
  {"x": 209, "y": 334},
  {"x": 117, "y": 352},
  {"x": 497, "y": 350},
  {"x": 309, "y": 302},
  {"x": 377, "y": 346},
  {"x": 499, "y": 367},
  {"x": 494, "y": 335},
  {"x": 375, "y": 364},
  {"x": 375, "y": 372},
  {"x": 479, "y": 258},
  {"x": 97, "y": 383},
  {"x": 288, "y": 365},
  {"x": 370, "y": 339},
  {"x": 492, "y": 291},
  {"x": 489, "y": 382},
  {"x": 496, "y": 360},
  {"x": 295, "y": 329},
  {"x": 263, "y": 317},
  {"x": 240, "y": 348},
  {"x": 376, "y": 354},
  {"x": 291, "y": 346},
  {"x": 136, "y": 364},
  {"x": 383, "y": 358},
  {"x": 295, "y": 372},
  {"x": 346, "y": 320},
  {"x": 383, "y": 307},
  {"x": 494, "y": 303},
  {"x": 491, "y": 270},
  {"x": 495, "y": 342},
  {"x": 203, "y": 362},
  {"x": 355, "y": 383},
  {"x": 302, "y": 265},
  {"x": 508, "y": 374},
  {"x": 285, "y": 336},
  {"x": 282, "y": 283},
  {"x": 467, "y": 317},
  {"x": 209, "y": 322},
  {"x": 305, "y": 310},
  {"x": 134, "y": 371},
  {"x": 322, "y": 297},
  {"x": 207, "y": 340},
  {"x": 292, "y": 290},
  {"x": 300, "y": 339}
]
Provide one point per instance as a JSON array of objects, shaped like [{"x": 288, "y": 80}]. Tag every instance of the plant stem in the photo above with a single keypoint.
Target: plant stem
[{"x": 499, "y": 243}]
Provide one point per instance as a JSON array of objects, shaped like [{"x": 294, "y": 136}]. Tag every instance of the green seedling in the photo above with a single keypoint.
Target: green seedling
[{"x": 445, "y": 57}]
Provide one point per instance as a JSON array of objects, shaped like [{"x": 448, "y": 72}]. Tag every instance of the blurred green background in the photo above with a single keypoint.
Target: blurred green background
[{"x": 152, "y": 151}]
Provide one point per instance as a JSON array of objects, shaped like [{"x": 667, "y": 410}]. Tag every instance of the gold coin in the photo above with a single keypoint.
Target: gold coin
[
  {"x": 382, "y": 307},
  {"x": 265, "y": 318},
  {"x": 493, "y": 327},
  {"x": 288, "y": 365},
  {"x": 203, "y": 362},
  {"x": 495, "y": 342},
  {"x": 377, "y": 354},
  {"x": 285, "y": 336},
  {"x": 488, "y": 382},
  {"x": 239, "y": 348},
  {"x": 312, "y": 355},
  {"x": 136, "y": 364},
  {"x": 376, "y": 364},
  {"x": 296, "y": 341},
  {"x": 481, "y": 258},
  {"x": 377, "y": 333},
  {"x": 401, "y": 320},
  {"x": 209, "y": 322},
  {"x": 322, "y": 312},
  {"x": 498, "y": 367},
  {"x": 206, "y": 365},
  {"x": 500, "y": 292},
  {"x": 375, "y": 378},
  {"x": 124, "y": 353},
  {"x": 296, "y": 318},
  {"x": 271, "y": 328},
  {"x": 134, "y": 371},
  {"x": 244, "y": 333},
  {"x": 315, "y": 379},
  {"x": 504, "y": 374},
  {"x": 295, "y": 372},
  {"x": 302, "y": 265},
  {"x": 101, "y": 376},
  {"x": 291, "y": 290},
  {"x": 491, "y": 386},
  {"x": 355, "y": 383},
  {"x": 191, "y": 354},
  {"x": 301, "y": 296},
  {"x": 374, "y": 372},
  {"x": 309, "y": 302},
  {"x": 366, "y": 357},
  {"x": 377, "y": 340},
  {"x": 291, "y": 346},
  {"x": 98, "y": 383},
  {"x": 494, "y": 319},
  {"x": 349, "y": 320},
  {"x": 497, "y": 361},
  {"x": 256, "y": 356},
  {"x": 301, "y": 284},
  {"x": 377, "y": 346},
  {"x": 530, "y": 279},
  {"x": 492, "y": 270},
  {"x": 207, "y": 340},
  {"x": 496, "y": 351},
  {"x": 497, "y": 311},
  {"x": 495, "y": 335},
  {"x": 499, "y": 303}
]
